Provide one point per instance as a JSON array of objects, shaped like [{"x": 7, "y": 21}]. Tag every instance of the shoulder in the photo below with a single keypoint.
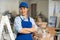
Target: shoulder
[
  {"x": 17, "y": 18},
  {"x": 31, "y": 19}
]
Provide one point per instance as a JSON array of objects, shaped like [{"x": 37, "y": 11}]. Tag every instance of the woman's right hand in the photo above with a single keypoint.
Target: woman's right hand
[{"x": 24, "y": 31}]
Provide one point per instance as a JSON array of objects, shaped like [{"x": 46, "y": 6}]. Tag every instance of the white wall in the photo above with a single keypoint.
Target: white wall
[
  {"x": 58, "y": 9},
  {"x": 58, "y": 12},
  {"x": 9, "y": 5},
  {"x": 42, "y": 6},
  {"x": 55, "y": 4},
  {"x": 51, "y": 8}
]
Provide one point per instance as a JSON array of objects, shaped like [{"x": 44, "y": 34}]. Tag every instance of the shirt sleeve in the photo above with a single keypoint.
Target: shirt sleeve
[
  {"x": 33, "y": 23},
  {"x": 17, "y": 24}
]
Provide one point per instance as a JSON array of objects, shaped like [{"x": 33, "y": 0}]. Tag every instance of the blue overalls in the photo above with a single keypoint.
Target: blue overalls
[{"x": 25, "y": 24}]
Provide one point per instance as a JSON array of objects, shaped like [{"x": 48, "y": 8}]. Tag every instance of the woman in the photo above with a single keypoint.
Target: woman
[{"x": 24, "y": 24}]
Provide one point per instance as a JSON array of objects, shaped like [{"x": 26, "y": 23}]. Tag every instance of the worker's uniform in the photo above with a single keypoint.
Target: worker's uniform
[{"x": 20, "y": 23}]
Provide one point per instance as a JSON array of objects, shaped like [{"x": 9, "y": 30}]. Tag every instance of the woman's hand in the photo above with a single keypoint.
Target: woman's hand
[
  {"x": 24, "y": 31},
  {"x": 27, "y": 30},
  {"x": 31, "y": 29}
]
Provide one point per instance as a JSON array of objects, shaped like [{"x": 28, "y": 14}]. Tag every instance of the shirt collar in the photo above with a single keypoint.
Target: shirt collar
[{"x": 23, "y": 17}]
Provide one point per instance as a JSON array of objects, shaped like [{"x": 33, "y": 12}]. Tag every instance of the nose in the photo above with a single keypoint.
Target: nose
[{"x": 22, "y": 10}]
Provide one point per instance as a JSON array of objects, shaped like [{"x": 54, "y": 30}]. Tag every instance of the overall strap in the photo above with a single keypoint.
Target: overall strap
[
  {"x": 28, "y": 18},
  {"x": 20, "y": 18}
]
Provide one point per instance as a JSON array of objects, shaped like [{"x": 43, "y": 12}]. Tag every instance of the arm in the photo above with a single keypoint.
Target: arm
[
  {"x": 34, "y": 26},
  {"x": 18, "y": 27},
  {"x": 27, "y": 30},
  {"x": 31, "y": 29},
  {"x": 24, "y": 31}
]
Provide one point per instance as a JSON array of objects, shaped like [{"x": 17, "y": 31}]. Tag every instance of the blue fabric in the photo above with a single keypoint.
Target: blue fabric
[
  {"x": 18, "y": 26},
  {"x": 23, "y": 4},
  {"x": 25, "y": 24}
]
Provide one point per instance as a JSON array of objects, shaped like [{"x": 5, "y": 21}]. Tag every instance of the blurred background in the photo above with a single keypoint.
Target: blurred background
[{"x": 47, "y": 11}]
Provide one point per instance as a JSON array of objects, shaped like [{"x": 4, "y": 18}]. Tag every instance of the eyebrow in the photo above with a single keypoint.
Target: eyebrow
[{"x": 22, "y": 6}]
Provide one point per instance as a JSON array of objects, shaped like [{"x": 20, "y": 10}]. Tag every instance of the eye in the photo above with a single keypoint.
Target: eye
[
  {"x": 24, "y": 7},
  {"x": 20, "y": 8}
]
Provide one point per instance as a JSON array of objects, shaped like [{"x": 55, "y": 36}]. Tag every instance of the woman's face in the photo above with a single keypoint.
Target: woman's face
[{"x": 23, "y": 10}]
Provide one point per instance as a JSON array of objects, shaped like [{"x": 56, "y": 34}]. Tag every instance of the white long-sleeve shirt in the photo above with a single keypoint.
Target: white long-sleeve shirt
[{"x": 17, "y": 23}]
